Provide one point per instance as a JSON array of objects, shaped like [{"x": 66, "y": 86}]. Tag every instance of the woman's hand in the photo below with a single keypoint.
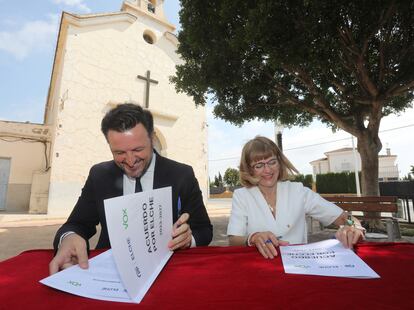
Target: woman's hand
[
  {"x": 349, "y": 235},
  {"x": 266, "y": 242},
  {"x": 350, "y": 230}
]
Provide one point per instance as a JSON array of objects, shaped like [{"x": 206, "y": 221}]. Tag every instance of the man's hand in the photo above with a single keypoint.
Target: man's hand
[
  {"x": 72, "y": 251},
  {"x": 181, "y": 234}
]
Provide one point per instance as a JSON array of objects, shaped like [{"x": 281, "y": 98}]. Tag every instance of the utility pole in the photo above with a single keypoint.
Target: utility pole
[
  {"x": 278, "y": 135},
  {"x": 356, "y": 166}
]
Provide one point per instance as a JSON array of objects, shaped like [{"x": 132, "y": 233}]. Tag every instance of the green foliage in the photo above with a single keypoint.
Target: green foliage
[
  {"x": 336, "y": 183},
  {"x": 407, "y": 177},
  {"x": 231, "y": 177},
  {"x": 218, "y": 181},
  {"x": 306, "y": 180},
  {"x": 347, "y": 63},
  {"x": 292, "y": 60}
]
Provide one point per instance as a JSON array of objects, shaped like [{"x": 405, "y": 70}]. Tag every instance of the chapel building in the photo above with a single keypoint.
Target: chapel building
[{"x": 101, "y": 60}]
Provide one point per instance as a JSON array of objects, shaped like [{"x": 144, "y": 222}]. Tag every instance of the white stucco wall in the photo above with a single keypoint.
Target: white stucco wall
[
  {"x": 320, "y": 167},
  {"x": 21, "y": 144},
  {"x": 343, "y": 161},
  {"x": 100, "y": 67},
  {"x": 387, "y": 167}
]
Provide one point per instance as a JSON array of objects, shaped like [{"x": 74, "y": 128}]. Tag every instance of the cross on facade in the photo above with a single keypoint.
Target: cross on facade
[{"x": 148, "y": 80}]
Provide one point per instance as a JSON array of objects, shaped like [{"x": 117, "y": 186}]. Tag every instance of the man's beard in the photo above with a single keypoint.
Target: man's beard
[{"x": 121, "y": 166}]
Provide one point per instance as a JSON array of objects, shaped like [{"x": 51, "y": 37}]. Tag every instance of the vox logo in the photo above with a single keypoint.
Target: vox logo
[
  {"x": 74, "y": 283},
  {"x": 125, "y": 218}
]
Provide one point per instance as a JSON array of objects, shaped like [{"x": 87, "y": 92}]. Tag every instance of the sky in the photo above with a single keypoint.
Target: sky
[{"x": 28, "y": 33}]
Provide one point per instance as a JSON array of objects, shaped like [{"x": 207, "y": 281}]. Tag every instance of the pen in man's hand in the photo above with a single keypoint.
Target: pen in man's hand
[{"x": 179, "y": 207}]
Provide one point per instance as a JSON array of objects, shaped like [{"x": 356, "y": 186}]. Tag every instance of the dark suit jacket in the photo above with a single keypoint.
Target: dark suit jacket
[{"x": 105, "y": 181}]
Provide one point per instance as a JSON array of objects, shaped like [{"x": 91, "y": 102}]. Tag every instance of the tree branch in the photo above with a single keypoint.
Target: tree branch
[
  {"x": 364, "y": 77},
  {"x": 346, "y": 95},
  {"x": 398, "y": 90},
  {"x": 381, "y": 65},
  {"x": 361, "y": 63},
  {"x": 326, "y": 110},
  {"x": 354, "y": 58},
  {"x": 358, "y": 57}
]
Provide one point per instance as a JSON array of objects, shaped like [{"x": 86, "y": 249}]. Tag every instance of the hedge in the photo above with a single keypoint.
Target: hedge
[
  {"x": 306, "y": 180},
  {"x": 335, "y": 183}
]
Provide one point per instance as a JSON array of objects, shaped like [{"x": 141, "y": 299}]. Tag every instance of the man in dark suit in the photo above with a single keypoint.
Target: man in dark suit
[{"x": 129, "y": 130}]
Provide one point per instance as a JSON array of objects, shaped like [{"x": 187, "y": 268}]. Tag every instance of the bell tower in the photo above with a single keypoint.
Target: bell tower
[{"x": 149, "y": 8}]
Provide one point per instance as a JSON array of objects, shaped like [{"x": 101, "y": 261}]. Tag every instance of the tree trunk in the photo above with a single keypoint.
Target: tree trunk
[
  {"x": 369, "y": 145},
  {"x": 368, "y": 148}
]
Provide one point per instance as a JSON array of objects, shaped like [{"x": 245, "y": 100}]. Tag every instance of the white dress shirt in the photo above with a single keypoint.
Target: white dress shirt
[{"x": 250, "y": 212}]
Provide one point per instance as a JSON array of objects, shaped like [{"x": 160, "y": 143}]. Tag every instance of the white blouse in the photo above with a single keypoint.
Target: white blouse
[{"x": 250, "y": 212}]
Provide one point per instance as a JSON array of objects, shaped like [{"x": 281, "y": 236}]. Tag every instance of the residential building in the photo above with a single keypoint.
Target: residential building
[{"x": 342, "y": 160}]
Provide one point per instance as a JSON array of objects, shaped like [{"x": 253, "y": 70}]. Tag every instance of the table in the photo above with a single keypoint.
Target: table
[{"x": 229, "y": 278}]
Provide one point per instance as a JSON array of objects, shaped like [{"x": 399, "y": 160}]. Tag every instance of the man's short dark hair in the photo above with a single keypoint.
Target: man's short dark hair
[{"x": 126, "y": 116}]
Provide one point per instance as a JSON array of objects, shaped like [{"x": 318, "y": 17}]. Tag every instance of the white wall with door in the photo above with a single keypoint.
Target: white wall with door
[
  {"x": 20, "y": 160},
  {"x": 4, "y": 181}
]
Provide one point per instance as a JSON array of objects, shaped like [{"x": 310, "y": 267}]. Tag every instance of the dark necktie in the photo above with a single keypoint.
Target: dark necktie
[{"x": 138, "y": 187}]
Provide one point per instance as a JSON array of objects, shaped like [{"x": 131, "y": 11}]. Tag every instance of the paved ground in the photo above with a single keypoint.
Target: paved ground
[{"x": 21, "y": 233}]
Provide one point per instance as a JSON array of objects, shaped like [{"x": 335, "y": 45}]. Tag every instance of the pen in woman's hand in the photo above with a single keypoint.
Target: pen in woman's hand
[{"x": 270, "y": 241}]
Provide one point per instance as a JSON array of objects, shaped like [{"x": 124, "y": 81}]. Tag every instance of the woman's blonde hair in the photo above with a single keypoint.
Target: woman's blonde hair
[{"x": 261, "y": 148}]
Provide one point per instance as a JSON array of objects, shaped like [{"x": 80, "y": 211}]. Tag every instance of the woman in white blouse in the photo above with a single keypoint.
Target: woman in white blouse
[{"x": 270, "y": 210}]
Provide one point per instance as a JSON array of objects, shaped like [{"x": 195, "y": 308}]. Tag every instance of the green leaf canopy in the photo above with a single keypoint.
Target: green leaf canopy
[{"x": 343, "y": 62}]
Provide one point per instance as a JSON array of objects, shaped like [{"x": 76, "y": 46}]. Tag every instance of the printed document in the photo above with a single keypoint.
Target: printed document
[
  {"x": 139, "y": 227},
  {"x": 325, "y": 258},
  {"x": 100, "y": 281}
]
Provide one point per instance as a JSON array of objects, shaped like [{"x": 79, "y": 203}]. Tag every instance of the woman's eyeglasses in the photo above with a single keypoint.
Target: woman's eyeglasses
[{"x": 272, "y": 163}]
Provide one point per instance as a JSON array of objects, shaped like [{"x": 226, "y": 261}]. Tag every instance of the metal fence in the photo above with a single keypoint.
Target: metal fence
[{"x": 404, "y": 190}]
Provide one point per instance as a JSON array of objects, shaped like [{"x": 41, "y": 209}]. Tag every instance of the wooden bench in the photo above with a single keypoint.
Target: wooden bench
[{"x": 371, "y": 204}]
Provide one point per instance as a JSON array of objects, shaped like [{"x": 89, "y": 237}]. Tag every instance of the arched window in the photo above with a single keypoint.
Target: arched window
[
  {"x": 157, "y": 144},
  {"x": 151, "y": 6}
]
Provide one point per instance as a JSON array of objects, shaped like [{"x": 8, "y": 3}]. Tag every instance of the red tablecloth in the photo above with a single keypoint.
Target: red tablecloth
[{"x": 229, "y": 278}]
